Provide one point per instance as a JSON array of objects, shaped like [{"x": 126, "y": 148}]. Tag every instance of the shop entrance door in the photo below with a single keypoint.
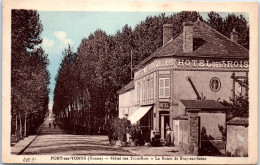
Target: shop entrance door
[{"x": 165, "y": 119}]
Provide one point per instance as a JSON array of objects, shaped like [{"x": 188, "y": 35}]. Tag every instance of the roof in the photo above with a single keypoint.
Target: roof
[
  {"x": 238, "y": 121},
  {"x": 127, "y": 87},
  {"x": 208, "y": 43},
  {"x": 180, "y": 117},
  {"x": 202, "y": 104}
]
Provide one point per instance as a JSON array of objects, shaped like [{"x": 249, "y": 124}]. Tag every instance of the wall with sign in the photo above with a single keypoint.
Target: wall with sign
[
  {"x": 201, "y": 63},
  {"x": 155, "y": 65},
  {"x": 164, "y": 82},
  {"x": 180, "y": 63}
]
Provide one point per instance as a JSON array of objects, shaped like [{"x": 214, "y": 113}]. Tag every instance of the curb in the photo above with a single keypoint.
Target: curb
[{"x": 21, "y": 152}]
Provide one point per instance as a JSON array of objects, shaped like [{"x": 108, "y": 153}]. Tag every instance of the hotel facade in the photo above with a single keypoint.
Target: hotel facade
[{"x": 181, "y": 84}]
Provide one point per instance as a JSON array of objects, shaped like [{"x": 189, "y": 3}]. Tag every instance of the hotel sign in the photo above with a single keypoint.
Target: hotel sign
[
  {"x": 212, "y": 64},
  {"x": 157, "y": 64},
  {"x": 164, "y": 105},
  {"x": 187, "y": 63}
]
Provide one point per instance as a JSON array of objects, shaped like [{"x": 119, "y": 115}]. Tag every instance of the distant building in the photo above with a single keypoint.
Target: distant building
[{"x": 183, "y": 81}]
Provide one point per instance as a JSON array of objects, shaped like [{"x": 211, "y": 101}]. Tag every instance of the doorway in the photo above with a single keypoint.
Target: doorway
[
  {"x": 146, "y": 125},
  {"x": 164, "y": 119}
]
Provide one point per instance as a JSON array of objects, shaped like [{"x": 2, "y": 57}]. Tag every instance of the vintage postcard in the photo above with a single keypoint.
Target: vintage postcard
[{"x": 127, "y": 82}]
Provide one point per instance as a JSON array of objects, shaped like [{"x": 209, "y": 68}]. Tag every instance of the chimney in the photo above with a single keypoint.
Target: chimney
[
  {"x": 234, "y": 35},
  {"x": 167, "y": 33},
  {"x": 188, "y": 37}
]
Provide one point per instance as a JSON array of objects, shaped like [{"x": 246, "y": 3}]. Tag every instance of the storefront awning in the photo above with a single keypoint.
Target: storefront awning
[{"x": 139, "y": 113}]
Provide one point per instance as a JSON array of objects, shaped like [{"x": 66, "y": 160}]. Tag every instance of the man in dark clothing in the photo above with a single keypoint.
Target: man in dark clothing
[{"x": 155, "y": 141}]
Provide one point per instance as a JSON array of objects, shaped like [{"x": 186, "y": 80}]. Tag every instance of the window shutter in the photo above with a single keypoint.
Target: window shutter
[
  {"x": 161, "y": 87},
  {"x": 151, "y": 81},
  {"x": 138, "y": 92},
  {"x": 167, "y": 87},
  {"x": 148, "y": 87},
  {"x": 143, "y": 91}
]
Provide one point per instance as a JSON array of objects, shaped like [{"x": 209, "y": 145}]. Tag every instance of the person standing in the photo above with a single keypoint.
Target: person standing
[
  {"x": 139, "y": 136},
  {"x": 168, "y": 135}
]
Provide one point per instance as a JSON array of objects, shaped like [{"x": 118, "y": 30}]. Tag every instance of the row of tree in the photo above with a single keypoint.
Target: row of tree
[
  {"x": 29, "y": 74},
  {"x": 87, "y": 82}
]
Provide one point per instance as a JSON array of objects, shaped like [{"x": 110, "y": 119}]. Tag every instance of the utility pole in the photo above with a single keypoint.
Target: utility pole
[{"x": 131, "y": 64}]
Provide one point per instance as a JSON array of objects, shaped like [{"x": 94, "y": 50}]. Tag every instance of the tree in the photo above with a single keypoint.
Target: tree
[
  {"x": 237, "y": 107},
  {"x": 241, "y": 26},
  {"x": 26, "y": 28},
  {"x": 227, "y": 24},
  {"x": 102, "y": 66},
  {"x": 216, "y": 22},
  {"x": 148, "y": 35},
  {"x": 29, "y": 75}
]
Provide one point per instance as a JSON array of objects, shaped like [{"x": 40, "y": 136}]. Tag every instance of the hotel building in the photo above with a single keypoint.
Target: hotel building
[{"x": 182, "y": 82}]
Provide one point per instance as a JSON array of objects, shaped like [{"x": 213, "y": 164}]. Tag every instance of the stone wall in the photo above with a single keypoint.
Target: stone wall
[
  {"x": 193, "y": 133},
  {"x": 188, "y": 133},
  {"x": 237, "y": 140},
  {"x": 211, "y": 123},
  {"x": 181, "y": 133},
  {"x": 184, "y": 134},
  {"x": 212, "y": 129}
]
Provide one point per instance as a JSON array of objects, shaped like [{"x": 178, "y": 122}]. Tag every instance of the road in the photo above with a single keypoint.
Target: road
[{"x": 55, "y": 141}]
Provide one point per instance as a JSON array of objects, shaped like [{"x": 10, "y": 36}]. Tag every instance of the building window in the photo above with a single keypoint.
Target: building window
[
  {"x": 151, "y": 87},
  {"x": 138, "y": 92},
  {"x": 164, "y": 87},
  {"x": 144, "y": 91},
  {"x": 147, "y": 89},
  {"x": 215, "y": 84}
]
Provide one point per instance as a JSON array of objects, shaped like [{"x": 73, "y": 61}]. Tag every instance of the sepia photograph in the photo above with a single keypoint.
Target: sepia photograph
[{"x": 162, "y": 85}]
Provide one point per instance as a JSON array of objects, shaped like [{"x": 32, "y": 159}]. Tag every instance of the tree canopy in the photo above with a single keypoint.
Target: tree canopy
[
  {"x": 102, "y": 65},
  {"x": 29, "y": 74}
]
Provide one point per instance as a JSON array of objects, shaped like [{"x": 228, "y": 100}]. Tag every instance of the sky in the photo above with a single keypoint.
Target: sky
[{"x": 63, "y": 28}]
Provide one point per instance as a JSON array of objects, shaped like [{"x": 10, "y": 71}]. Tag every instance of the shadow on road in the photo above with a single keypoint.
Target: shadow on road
[{"x": 55, "y": 141}]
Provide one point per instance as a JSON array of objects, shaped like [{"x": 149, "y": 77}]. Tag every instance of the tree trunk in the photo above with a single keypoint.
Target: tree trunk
[
  {"x": 85, "y": 123},
  {"x": 16, "y": 128},
  {"x": 28, "y": 125},
  {"x": 78, "y": 112},
  {"x": 73, "y": 116},
  {"x": 21, "y": 128},
  {"x": 68, "y": 114},
  {"x": 89, "y": 123},
  {"x": 25, "y": 126}
]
